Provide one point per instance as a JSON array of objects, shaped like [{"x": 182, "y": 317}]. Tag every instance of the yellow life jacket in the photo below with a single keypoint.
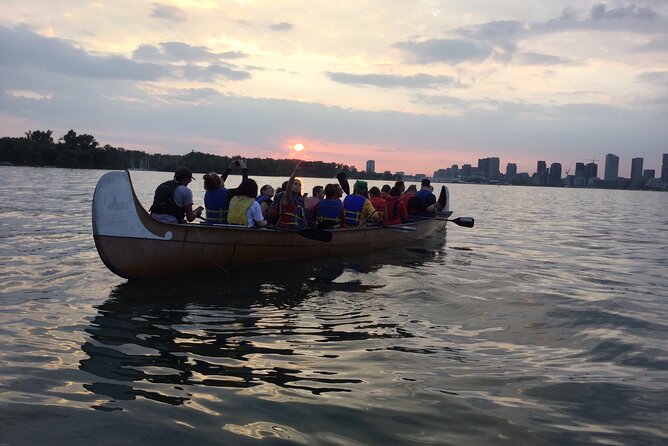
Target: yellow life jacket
[{"x": 238, "y": 207}]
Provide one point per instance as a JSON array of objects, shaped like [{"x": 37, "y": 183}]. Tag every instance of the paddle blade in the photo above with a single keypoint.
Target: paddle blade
[
  {"x": 467, "y": 222},
  {"x": 343, "y": 181}
]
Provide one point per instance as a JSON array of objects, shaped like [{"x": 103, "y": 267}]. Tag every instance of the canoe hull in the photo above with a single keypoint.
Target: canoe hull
[{"x": 134, "y": 245}]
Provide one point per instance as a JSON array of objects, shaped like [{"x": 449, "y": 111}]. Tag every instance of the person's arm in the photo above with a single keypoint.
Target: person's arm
[
  {"x": 287, "y": 196},
  {"x": 184, "y": 195},
  {"x": 228, "y": 171},
  {"x": 244, "y": 169},
  {"x": 368, "y": 212},
  {"x": 191, "y": 213},
  {"x": 264, "y": 207},
  {"x": 256, "y": 214}
]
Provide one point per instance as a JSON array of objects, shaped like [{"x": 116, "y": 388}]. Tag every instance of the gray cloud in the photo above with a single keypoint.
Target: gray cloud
[
  {"x": 540, "y": 59},
  {"x": 209, "y": 73},
  {"x": 452, "y": 51},
  {"x": 283, "y": 26},
  {"x": 168, "y": 12},
  {"x": 22, "y": 47},
  {"x": 659, "y": 44},
  {"x": 193, "y": 95},
  {"x": 499, "y": 39},
  {"x": 502, "y": 33},
  {"x": 659, "y": 78},
  {"x": 181, "y": 52},
  {"x": 420, "y": 80},
  {"x": 629, "y": 18}
]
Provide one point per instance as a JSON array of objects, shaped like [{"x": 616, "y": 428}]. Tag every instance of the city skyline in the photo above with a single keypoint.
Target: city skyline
[
  {"x": 415, "y": 85},
  {"x": 573, "y": 166}
]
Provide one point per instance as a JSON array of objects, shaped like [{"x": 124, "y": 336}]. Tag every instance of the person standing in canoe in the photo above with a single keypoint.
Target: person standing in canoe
[
  {"x": 173, "y": 201},
  {"x": 291, "y": 205},
  {"x": 244, "y": 210}
]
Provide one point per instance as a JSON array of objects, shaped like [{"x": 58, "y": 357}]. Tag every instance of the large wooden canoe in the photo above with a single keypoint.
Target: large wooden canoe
[{"x": 134, "y": 245}]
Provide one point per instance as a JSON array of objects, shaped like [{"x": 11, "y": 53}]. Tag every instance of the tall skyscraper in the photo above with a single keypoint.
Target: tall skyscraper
[
  {"x": 489, "y": 168},
  {"x": 591, "y": 170},
  {"x": 455, "y": 171},
  {"x": 511, "y": 169},
  {"x": 371, "y": 166},
  {"x": 580, "y": 170},
  {"x": 664, "y": 168},
  {"x": 466, "y": 170},
  {"x": 636, "y": 169},
  {"x": 611, "y": 167},
  {"x": 483, "y": 167},
  {"x": 494, "y": 164},
  {"x": 555, "y": 173}
]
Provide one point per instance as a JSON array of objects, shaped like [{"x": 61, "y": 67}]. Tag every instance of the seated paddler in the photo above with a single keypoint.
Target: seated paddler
[
  {"x": 244, "y": 209},
  {"x": 329, "y": 210},
  {"x": 291, "y": 204},
  {"x": 215, "y": 199},
  {"x": 173, "y": 201},
  {"x": 357, "y": 207}
]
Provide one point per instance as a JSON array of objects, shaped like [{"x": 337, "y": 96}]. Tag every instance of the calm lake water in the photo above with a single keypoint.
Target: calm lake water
[{"x": 546, "y": 324}]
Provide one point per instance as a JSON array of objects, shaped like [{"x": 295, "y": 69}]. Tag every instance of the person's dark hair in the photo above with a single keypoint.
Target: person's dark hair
[
  {"x": 425, "y": 182},
  {"x": 330, "y": 191},
  {"x": 374, "y": 192},
  {"x": 284, "y": 185},
  {"x": 316, "y": 190},
  {"x": 264, "y": 188},
  {"x": 386, "y": 188},
  {"x": 395, "y": 191},
  {"x": 247, "y": 188},
  {"x": 400, "y": 184},
  {"x": 211, "y": 181}
]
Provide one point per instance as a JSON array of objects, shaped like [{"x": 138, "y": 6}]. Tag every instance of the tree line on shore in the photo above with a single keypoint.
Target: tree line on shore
[{"x": 38, "y": 148}]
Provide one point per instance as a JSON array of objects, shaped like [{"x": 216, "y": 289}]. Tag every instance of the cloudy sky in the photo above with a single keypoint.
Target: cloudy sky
[{"x": 415, "y": 85}]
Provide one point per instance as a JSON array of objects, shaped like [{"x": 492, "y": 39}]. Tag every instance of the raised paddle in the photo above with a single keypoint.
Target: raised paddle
[{"x": 343, "y": 181}]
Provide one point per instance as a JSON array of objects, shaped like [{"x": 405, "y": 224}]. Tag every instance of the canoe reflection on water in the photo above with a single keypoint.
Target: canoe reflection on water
[{"x": 244, "y": 329}]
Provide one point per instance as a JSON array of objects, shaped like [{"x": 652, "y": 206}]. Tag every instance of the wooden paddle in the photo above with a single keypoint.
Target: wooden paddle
[
  {"x": 466, "y": 222},
  {"x": 343, "y": 181}
]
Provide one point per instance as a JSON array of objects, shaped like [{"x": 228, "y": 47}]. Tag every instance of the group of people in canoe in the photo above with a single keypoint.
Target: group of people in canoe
[{"x": 287, "y": 207}]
